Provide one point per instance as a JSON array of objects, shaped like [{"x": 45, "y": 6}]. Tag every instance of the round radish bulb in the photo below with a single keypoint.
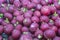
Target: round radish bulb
[
  {"x": 54, "y": 28},
  {"x": 25, "y": 37},
  {"x": 25, "y": 29},
  {"x": 17, "y": 3},
  {"x": 16, "y": 34},
  {"x": 45, "y": 10},
  {"x": 43, "y": 2},
  {"x": 25, "y": 2},
  {"x": 33, "y": 27},
  {"x": 37, "y": 13},
  {"x": 18, "y": 27},
  {"x": 44, "y": 19},
  {"x": 20, "y": 18},
  {"x": 13, "y": 21},
  {"x": 51, "y": 22},
  {"x": 27, "y": 21},
  {"x": 55, "y": 16},
  {"x": 53, "y": 9},
  {"x": 28, "y": 14},
  {"x": 44, "y": 26},
  {"x": 29, "y": 11},
  {"x": 8, "y": 15},
  {"x": 4, "y": 10},
  {"x": 56, "y": 38},
  {"x": 11, "y": 9},
  {"x": 27, "y": 33},
  {"x": 38, "y": 6},
  {"x": 1, "y": 29},
  {"x": 57, "y": 22},
  {"x": 16, "y": 13},
  {"x": 49, "y": 34},
  {"x": 21, "y": 12},
  {"x": 8, "y": 28},
  {"x": 39, "y": 34},
  {"x": 31, "y": 5},
  {"x": 35, "y": 19}
]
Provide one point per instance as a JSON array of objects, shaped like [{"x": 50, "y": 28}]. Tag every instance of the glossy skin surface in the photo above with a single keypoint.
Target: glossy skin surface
[
  {"x": 49, "y": 34},
  {"x": 33, "y": 27},
  {"x": 44, "y": 26},
  {"x": 16, "y": 34},
  {"x": 45, "y": 10}
]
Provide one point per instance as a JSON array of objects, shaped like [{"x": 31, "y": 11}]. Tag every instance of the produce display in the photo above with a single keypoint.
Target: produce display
[{"x": 29, "y": 19}]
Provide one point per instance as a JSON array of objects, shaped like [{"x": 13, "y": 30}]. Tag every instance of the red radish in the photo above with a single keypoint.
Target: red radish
[
  {"x": 25, "y": 37},
  {"x": 16, "y": 34},
  {"x": 25, "y": 29},
  {"x": 44, "y": 26},
  {"x": 17, "y": 3},
  {"x": 33, "y": 27},
  {"x": 45, "y": 10},
  {"x": 54, "y": 28},
  {"x": 49, "y": 34},
  {"x": 20, "y": 18},
  {"x": 27, "y": 21},
  {"x": 39, "y": 34},
  {"x": 8, "y": 28},
  {"x": 16, "y": 13},
  {"x": 37, "y": 13},
  {"x": 8, "y": 15},
  {"x": 44, "y": 19},
  {"x": 34, "y": 19},
  {"x": 18, "y": 27}
]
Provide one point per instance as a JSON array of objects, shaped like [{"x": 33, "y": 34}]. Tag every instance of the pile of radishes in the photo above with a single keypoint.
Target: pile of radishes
[{"x": 29, "y": 19}]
